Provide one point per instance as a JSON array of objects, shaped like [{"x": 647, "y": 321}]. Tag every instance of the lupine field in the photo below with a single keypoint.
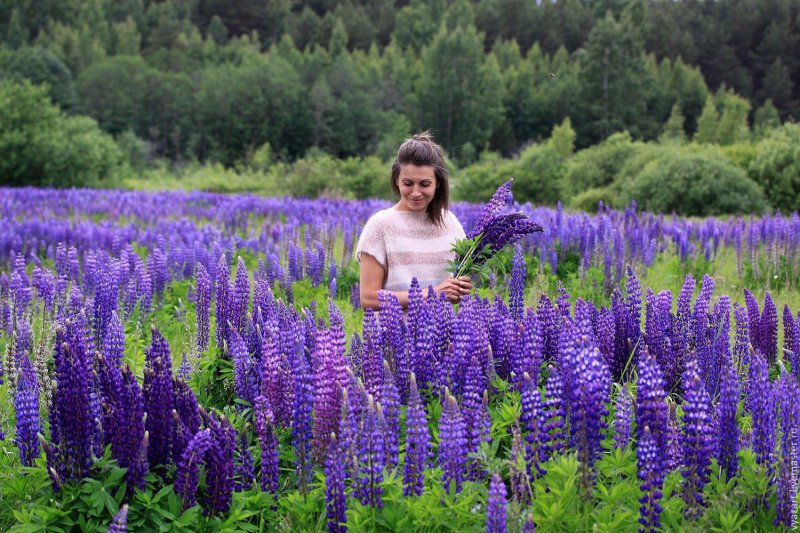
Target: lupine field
[{"x": 199, "y": 362}]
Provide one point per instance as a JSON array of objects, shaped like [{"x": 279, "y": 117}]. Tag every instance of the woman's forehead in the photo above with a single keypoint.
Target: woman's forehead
[{"x": 417, "y": 173}]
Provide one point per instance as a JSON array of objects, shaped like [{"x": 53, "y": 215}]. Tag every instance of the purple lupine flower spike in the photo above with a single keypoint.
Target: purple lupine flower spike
[
  {"x": 72, "y": 421},
  {"x": 186, "y": 416},
  {"x": 264, "y": 422},
  {"x": 159, "y": 394},
  {"x": 589, "y": 396},
  {"x": 697, "y": 440},
  {"x": 245, "y": 469},
  {"x": 554, "y": 427},
  {"x": 120, "y": 522},
  {"x": 496, "y": 508},
  {"x": 221, "y": 310},
  {"x": 789, "y": 332},
  {"x": 741, "y": 357},
  {"x": 129, "y": 430},
  {"x": 418, "y": 443},
  {"x": 769, "y": 329},
  {"x": 762, "y": 405},
  {"x": 203, "y": 307},
  {"x": 516, "y": 288},
  {"x": 529, "y": 526},
  {"x": 371, "y": 458},
  {"x": 532, "y": 422},
  {"x": 499, "y": 200},
  {"x": 452, "y": 443},
  {"x": 648, "y": 458},
  {"x": 622, "y": 418},
  {"x": 728, "y": 432},
  {"x": 26, "y": 405},
  {"x": 335, "y": 495},
  {"x": 471, "y": 408},
  {"x": 114, "y": 343},
  {"x": 390, "y": 403},
  {"x": 302, "y": 417},
  {"x": 651, "y": 405},
  {"x": 186, "y": 475},
  {"x": 245, "y": 387},
  {"x": 219, "y": 466},
  {"x": 754, "y": 321},
  {"x": 239, "y": 299}
]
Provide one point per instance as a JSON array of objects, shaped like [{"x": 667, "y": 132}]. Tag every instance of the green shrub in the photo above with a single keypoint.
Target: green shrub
[
  {"x": 42, "y": 147},
  {"x": 695, "y": 184},
  {"x": 477, "y": 182},
  {"x": 597, "y": 166},
  {"x": 40, "y": 66},
  {"x": 312, "y": 176},
  {"x": 740, "y": 154},
  {"x": 537, "y": 174},
  {"x": 776, "y": 167},
  {"x": 366, "y": 177},
  {"x": 589, "y": 200}
]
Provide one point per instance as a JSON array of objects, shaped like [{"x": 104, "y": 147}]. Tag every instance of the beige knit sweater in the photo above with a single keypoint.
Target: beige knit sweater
[{"x": 408, "y": 245}]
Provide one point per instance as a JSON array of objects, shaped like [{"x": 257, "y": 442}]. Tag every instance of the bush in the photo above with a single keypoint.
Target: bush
[
  {"x": 40, "y": 66},
  {"x": 315, "y": 175},
  {"x": 537, "y": 174},
  {"x": 598, "y": 166},
  {"x": 776, "y": 167},
  {"x": 40, "y": 146},
  {"x": 695, "y": 184},
  {"x": 477, "y": 182},
  {"x": 366, "y": 177},
  {"x": 589, "y": 200},
  {"x": 79, "y": 154}
]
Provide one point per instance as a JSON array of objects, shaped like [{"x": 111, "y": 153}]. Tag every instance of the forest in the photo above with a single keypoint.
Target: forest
[{"x": 244, "y": 84}]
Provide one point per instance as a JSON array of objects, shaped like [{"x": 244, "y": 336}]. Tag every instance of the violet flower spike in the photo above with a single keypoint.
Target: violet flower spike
[
  {"x": 697, "y": 440},
  {"x": 120, "y": 522},
  {"x": 496, "y": 509},
  {"x": 418, "y": 443},
  {"x": 452, "y": 443},
  {"x": 186, "y": 475},
  {"x": 648, "y": 457},
  {"x": 335, "y": 495},
  {"x": 26, "y": 405}
]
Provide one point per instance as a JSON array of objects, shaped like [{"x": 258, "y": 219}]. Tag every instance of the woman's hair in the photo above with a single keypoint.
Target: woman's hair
[{"x": 421, "y": 150}]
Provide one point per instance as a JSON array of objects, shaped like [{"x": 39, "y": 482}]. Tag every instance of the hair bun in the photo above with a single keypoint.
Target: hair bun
[{"x": 423, "y": 136}]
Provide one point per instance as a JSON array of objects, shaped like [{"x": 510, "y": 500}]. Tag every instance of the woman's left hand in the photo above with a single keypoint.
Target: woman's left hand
[{"x": 465, "y": 285}]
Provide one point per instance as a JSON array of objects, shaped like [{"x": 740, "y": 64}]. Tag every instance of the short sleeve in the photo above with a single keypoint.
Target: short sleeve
[{"x": 372, "y": 241}]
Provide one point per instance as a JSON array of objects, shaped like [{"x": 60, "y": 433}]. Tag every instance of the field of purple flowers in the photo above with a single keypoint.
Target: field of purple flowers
[{"x": 198, "y": 362}]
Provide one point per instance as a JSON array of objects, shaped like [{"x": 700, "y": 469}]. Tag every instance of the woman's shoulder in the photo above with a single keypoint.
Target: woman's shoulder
[
  {"x": 379, "y": 218},
  {"x": 379, "y": 221}
]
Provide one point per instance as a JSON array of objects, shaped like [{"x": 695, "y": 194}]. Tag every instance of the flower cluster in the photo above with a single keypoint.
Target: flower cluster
[{"x": 493, "y": 231}]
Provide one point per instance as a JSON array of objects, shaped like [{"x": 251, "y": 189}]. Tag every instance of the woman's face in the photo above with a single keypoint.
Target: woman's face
[{"x": 417, "y": 187}]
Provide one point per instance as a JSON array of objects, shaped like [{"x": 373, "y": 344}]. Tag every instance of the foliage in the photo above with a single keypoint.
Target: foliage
[
  {"x": 42, "y": 67},
  {"x": 39, "y": 145},
  {"x": 776, "y": 167},
  {"x": 598, "y": 165},
  {"x": 700, "y": 184}
]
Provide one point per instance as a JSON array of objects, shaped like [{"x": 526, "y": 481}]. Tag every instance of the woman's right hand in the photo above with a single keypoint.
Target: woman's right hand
[{"x": 455, "y": 288}]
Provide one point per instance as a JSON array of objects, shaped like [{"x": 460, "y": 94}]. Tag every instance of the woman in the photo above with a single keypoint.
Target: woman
[{"x": 414, "y": 238}]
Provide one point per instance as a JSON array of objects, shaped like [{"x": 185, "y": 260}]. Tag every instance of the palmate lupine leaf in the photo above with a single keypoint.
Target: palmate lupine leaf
[{"x": 493, "y": 232}]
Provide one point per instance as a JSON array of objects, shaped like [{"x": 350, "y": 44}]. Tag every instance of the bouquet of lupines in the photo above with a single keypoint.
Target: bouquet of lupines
[{"x": 495, "y": 230}]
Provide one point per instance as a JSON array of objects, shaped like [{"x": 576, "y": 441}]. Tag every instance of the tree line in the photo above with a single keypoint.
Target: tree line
[{"x": 222, "y": 81}]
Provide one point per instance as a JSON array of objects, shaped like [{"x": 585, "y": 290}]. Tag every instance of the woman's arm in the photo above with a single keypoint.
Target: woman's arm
[{"x": 372, "y": 277}]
